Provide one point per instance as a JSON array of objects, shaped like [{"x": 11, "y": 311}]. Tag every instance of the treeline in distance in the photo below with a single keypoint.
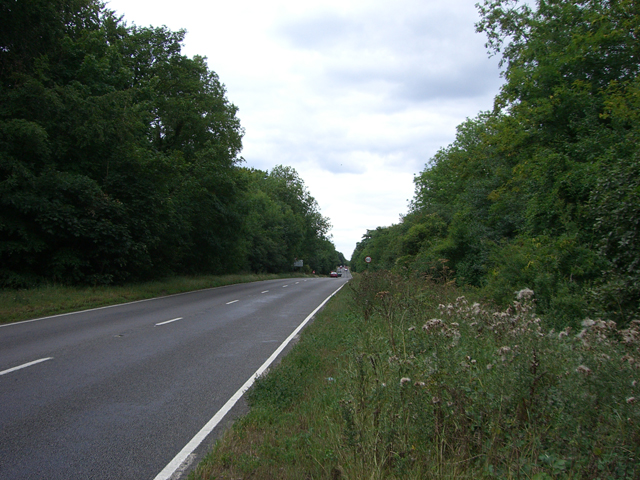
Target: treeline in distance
[
  {"x": 543, "y": 192},
  {"x": 119, "y": 159}
]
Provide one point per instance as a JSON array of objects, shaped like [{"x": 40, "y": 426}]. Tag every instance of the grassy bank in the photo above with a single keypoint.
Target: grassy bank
[
  {"x": 16, "y": 305},
  {"x": 408, "y": 380}
]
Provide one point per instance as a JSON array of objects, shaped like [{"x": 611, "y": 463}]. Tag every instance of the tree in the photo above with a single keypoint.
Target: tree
[
  {"x": 111, "y": 142},
  {"x": 542, "y": 191},
  {"x": 284, "y": 223}
]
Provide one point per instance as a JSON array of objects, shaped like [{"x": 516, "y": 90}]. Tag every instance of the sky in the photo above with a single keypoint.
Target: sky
[{"x": 356, "y": 95}]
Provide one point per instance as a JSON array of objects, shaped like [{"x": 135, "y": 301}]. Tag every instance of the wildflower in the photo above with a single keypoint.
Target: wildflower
[
  {"x": 473, "y": 362},
  {"x": 631, "y": 400},
  {"x": 419, "y": 384},
  {"x": 435, "y": 400},
  {"x": 587, "y": 322},
  {"x": 489, "y": 367},
  {"x": 433, "y": 323},
  {"x": 524, "y": 294},
  {"x": 449, "y": 404},
  {"x": 634, "y": 384},
  {"x": 411, "y": 329},
  {"x": 404, "y": 380},
  {"x": 584, "y": 370},
  {"x": 630, "y": 335},
  {"x": 504, "y": 350}
]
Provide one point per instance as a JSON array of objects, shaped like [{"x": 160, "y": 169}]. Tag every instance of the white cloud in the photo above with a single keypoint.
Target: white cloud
[{"x": 355, "y": 95}]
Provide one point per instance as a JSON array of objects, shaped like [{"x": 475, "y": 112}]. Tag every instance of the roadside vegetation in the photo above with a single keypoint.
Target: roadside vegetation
[
  {"x": 120, "y": 160},
  {"x": 405, "y": 378},
  {"x": 25, "y": 304},
  {"x": 542, "y": 192}
]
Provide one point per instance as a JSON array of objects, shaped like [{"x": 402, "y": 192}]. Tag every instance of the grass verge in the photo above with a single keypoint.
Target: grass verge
[
  {"x": 17, "y": 305},
  {"x": 403, "y": 379}
]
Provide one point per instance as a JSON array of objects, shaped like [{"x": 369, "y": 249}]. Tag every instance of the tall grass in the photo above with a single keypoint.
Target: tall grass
[
  {"x": 24, "y": 304},
  {"x": 407, "y": 379}
]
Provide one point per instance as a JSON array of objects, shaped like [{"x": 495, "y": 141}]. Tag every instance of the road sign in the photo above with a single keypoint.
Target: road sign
[{"x": 367, "y": 259}]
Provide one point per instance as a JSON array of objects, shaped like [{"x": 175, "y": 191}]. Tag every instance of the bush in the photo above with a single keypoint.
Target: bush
[{"x": 460, "y": 387}]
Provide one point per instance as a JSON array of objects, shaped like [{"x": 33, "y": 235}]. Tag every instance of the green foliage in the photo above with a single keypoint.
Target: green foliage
[
  {"x": 383, "y": 245},
  {"x": 495, "y": 392},
  {"x": 543, "y": 191},
  {"x": 283, "y": 223},
  {"x": 403, "y": 378},
  {"x": 119, "y": 158}
]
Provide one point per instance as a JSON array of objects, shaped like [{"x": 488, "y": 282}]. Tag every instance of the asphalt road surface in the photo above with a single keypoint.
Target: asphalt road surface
[{"x": 118, "y": 392}]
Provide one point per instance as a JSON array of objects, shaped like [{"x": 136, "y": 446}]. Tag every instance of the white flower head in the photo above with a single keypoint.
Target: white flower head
[{"x": 524, "y": 294}]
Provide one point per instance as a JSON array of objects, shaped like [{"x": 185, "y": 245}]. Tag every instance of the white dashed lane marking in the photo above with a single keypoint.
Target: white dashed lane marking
[
  {"x": 168, "y": 321},
  {"x": 20, "y": 367}
]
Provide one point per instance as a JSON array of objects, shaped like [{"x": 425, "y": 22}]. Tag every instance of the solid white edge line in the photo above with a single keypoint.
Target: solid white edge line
[
  {"x": 266, "y": 291},
  {"x": 168, "y": 321},
  {"x": 127, "y": 303},
  {"x": 233, "y": 301},
  {"x": 195, "y": 442},
  {"x": 19, "y": 367}
]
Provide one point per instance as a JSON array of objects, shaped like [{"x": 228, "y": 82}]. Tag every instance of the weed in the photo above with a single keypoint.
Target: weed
[{"x": 426, "y": 383}]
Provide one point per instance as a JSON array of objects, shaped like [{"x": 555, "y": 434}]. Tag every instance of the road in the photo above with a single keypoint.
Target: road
[{"x": 117, "y": 392}]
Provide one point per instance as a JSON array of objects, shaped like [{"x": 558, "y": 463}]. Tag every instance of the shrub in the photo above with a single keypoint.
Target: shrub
[{"x": 460, "y": 387}]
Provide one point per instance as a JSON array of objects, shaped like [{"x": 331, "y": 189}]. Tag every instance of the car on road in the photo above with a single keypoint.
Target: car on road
[{"x": 333, "y": 274}]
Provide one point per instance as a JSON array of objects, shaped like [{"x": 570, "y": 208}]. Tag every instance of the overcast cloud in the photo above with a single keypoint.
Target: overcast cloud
[{"x": 357, "y": 96}]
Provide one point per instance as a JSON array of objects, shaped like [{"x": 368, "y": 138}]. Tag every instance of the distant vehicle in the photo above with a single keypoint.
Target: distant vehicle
[{"x": 333, "y": 274}]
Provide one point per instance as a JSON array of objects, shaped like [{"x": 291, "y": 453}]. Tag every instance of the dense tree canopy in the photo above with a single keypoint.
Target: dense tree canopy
[
  {"x": 119, "y": 158},
  {"x": 543, "y": 191},
  {"x": 284, "y": 224}
]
